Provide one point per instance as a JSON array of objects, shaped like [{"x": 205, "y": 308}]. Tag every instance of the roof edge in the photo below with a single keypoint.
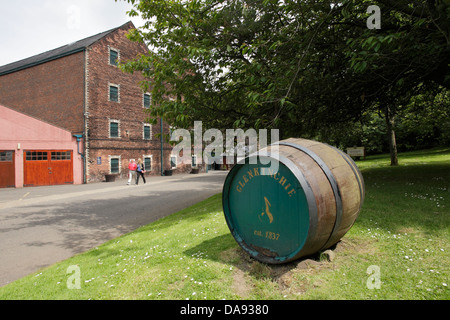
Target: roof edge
[
  {"x": 26, "y": 66},
  {"x": 108, "y": 32},
  {"x": 80, "y": 48}
]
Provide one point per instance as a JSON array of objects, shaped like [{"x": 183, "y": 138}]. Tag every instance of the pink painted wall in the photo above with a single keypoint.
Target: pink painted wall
[{"x": 32, "y": 134}]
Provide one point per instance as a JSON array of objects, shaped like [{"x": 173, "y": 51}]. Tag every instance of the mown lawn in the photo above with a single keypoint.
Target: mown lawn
[{"x": 397, "y": 249}]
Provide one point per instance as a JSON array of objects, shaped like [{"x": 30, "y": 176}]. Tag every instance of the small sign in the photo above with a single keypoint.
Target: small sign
[
  {"x": 99, "y": 160},
  {"x": 356, "y": 152}
]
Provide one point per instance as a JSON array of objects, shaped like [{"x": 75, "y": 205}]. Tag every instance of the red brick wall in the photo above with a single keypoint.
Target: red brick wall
[
  {"x": 53, "y": 91},
  {"x": 98, "y": 171},
  {"x": 129, "y": 110}
]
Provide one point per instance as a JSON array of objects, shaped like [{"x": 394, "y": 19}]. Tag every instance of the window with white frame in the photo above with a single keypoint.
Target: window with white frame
[
  {"x": 147, "y": 134},
  {"x": 114, "y": 57},
  {"x": 114, "y": 92},
  {"x": 147, "y": 100},
  {"x": 173, "y": 162},
  {"x": 194, "y": 161},
  {"x": 114, "y": 164},
  {"x": 114, "y": 128},
  {"x": 148, "y": 162}
]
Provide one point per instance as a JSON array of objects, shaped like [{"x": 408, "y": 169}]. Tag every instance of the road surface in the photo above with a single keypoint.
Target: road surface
[{"x": 43, "y": 225}]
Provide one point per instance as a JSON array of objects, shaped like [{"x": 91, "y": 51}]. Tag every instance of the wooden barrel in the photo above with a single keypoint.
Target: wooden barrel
[{"x": 292, "y": 199}]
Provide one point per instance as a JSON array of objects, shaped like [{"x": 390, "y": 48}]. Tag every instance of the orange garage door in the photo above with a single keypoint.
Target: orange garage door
[
  {"x": 7, "y": 169},
  {"x": 47, "y": 167}
]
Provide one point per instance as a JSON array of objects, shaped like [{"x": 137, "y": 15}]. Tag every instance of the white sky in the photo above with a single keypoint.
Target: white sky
[{"x": 30, "y": 27}]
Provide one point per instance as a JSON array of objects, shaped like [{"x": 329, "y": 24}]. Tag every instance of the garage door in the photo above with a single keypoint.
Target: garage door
[
  {"x": 7, "y": 169},
  {"x": 47, "y": 167}
]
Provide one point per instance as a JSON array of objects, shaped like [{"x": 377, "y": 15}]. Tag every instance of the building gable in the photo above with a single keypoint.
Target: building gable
[{"x": 19, "y": 127}]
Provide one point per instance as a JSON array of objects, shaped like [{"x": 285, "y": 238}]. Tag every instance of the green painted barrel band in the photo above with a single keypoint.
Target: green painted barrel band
[{"x": 270, "y": 210}]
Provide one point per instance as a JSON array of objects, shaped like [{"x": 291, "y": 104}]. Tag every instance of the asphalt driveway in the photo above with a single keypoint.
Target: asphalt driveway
[{"x": 43, "y": 225}]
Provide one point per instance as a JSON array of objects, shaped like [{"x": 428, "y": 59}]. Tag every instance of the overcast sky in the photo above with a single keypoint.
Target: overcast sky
[{"x": 30, "y": 27}]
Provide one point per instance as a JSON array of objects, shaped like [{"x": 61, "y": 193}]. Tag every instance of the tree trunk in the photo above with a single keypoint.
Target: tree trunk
[{"x": 390, "y": 122}]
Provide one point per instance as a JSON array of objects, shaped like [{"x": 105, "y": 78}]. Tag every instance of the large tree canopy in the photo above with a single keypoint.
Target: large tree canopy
[{"x": 288, "y": 64}]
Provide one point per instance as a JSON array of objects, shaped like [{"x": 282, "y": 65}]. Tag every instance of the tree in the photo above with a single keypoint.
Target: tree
[
  {"x": 411, "y": 49},
  {"x": 294, "y": 65},
  {"x": 234, "y": 63}
]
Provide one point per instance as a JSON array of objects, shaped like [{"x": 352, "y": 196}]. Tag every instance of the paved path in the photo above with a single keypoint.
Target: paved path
[{"x": 43, "y": 225}]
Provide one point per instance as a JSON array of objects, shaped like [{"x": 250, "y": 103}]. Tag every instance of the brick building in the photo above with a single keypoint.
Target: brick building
[{"x": 79, "y": 87}]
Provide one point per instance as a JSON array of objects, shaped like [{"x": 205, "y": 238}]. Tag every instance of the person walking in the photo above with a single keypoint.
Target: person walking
[
  {"x": 140, "y": 171},
  {"x": 132, "y": 166}
]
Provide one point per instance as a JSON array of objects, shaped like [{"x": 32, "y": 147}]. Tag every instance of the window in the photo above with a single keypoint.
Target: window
[
  {"x": 57, "y": 155},
  {"x": 114, "y": 129},
  {"x": 194, "y": 161},
  {"x": 147, "y": 131},
  {"x": 113, "y": 57},
  {"x": 6, "y": 156},
  {"x": 37, "y": 156},
  {"x": 147, "y": 100},
  {"x": 114, "y": 164},
  {"x": 114, "y": 93},
  {"x": 173, "y": 162},
  {"x": 148, "y": 163}
]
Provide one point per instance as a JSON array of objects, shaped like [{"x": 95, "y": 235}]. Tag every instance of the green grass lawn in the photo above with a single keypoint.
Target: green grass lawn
[{"x": 397, "y": 249}]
